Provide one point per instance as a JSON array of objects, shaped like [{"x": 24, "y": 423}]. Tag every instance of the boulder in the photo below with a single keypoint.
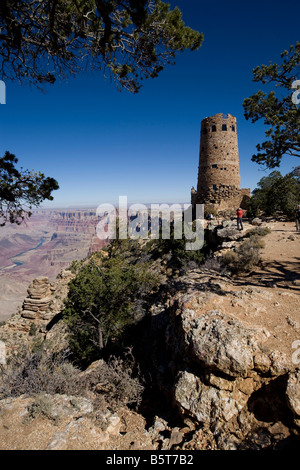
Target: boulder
[
  {"x": 218, "y": 342},
  {"x": 207, "y": 404},
  {"x": 293, "y": 395},
  {"x": 256, "y": 221},
  {"x": 229, "y": 233},
  {"x": 218, "y": 362}
]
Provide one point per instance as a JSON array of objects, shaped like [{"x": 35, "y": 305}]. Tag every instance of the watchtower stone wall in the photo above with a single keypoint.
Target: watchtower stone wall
[{"x": 219, "y": 169}]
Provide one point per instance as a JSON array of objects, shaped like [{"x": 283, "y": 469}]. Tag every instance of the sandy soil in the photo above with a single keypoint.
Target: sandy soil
[
  {"x": 270, "y": 295},
  {"x": 281, "y": 257}
]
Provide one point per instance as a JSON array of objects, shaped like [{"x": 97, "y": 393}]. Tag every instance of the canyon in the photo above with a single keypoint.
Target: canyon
[
  {"x": 43, "y": 245},
  {"x": 220, "y": 355}
]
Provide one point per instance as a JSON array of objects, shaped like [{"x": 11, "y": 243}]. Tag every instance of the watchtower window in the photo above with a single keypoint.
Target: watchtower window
[
  {"x": 224, "y": 127},
  {"x": 214, "y": 165},
  {"x": 233, "y": 128},
  {"x": 214, "y": 128},
  {"x": 204, "y": 130}
]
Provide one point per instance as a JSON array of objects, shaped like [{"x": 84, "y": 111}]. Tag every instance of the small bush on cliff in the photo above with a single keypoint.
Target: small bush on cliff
[
  {"x": 258, "y": 231},
  {"x": 175, "y": 250},
  {"x": 113, "y": 383},
  {"x": 41, "y": 406},
  {"x": 39, "y": 373},
  {"x": 246, "y": 256}
]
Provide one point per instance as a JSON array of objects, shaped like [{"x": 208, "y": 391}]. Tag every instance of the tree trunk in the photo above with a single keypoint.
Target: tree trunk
[{"x": 100, "y": 337}]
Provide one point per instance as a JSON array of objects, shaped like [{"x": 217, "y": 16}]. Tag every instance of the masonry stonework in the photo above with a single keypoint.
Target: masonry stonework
[{"x": 219, "y": 170}]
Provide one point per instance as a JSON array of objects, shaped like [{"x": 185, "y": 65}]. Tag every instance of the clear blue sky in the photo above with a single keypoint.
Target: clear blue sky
[{"x": 100, "y": 143}]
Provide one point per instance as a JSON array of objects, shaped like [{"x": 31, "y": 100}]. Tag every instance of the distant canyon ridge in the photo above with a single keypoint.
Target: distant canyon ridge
[{"x": 42, "y": 246}]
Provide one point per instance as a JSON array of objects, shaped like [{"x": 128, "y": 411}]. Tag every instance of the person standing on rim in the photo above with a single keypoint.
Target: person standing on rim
[{"x": 239, "y": 214}]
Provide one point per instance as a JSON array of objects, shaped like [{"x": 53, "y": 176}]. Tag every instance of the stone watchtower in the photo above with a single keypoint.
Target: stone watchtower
[{"x": 219, "y": 170}]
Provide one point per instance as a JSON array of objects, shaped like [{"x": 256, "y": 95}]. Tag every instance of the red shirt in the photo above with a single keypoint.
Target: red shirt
[{"x": 239, "y": 213}]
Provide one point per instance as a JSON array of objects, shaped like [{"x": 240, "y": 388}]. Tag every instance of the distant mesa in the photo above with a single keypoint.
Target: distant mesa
[{"x": 219, "y": 169}]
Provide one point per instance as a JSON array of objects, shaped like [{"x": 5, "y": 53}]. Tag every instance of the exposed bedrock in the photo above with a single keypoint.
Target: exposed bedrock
[{"x": 223, "y": 372}]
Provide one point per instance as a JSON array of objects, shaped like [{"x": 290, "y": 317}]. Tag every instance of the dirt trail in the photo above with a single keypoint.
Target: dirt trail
[
  {"x": 269, "y": 296},
  {"x": 280, "y": 257}
]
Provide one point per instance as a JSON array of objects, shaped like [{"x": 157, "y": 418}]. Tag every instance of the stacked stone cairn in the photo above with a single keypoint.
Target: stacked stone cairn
[{"x": 36, "y": 305}]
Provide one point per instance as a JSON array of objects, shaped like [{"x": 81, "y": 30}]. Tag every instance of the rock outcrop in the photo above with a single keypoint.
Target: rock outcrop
[
  {"x": 224, "y": 356},
  {"x": 293, "y": 395},
  {"x": 30, "y": 324},
  {"x": 223, "y": 365},
  {"x": 36, "y": 305},
  {"x": 219, "y": 351},
  {"x": 45, "y": 299}
]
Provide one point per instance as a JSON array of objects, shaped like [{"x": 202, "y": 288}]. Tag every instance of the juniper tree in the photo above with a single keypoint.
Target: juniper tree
[
  {"x": 279, "y": 109},
  {"x": 21, "y": 190},
  {"x": 108, "y": 295},
  {"x": 276, "y": 193},
  {"x": 129, "y": 39}
]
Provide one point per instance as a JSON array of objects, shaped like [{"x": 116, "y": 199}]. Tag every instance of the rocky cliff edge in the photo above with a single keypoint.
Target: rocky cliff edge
[{"x": 225, "y": 351}]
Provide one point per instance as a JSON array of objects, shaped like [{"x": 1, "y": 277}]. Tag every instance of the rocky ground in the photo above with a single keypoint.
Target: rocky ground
[{"x": 226, "y": 351}]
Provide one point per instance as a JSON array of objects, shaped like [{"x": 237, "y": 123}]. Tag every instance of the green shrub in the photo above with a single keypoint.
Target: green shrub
[
  {"x": 275, "y": 194},
  {"x": 246, "y": 256},
  {"x": 175, "y": 250},
  {"x": 107, "y": 296},
  {"x": 230, "y": 258},
  {"x": 258, "y": 231},
  {"x": 33, "y": 329},
  {"x": 41, "y": 407},
  {"x": 37, "y": 343},
  {"x": 75, "y": 266}
]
